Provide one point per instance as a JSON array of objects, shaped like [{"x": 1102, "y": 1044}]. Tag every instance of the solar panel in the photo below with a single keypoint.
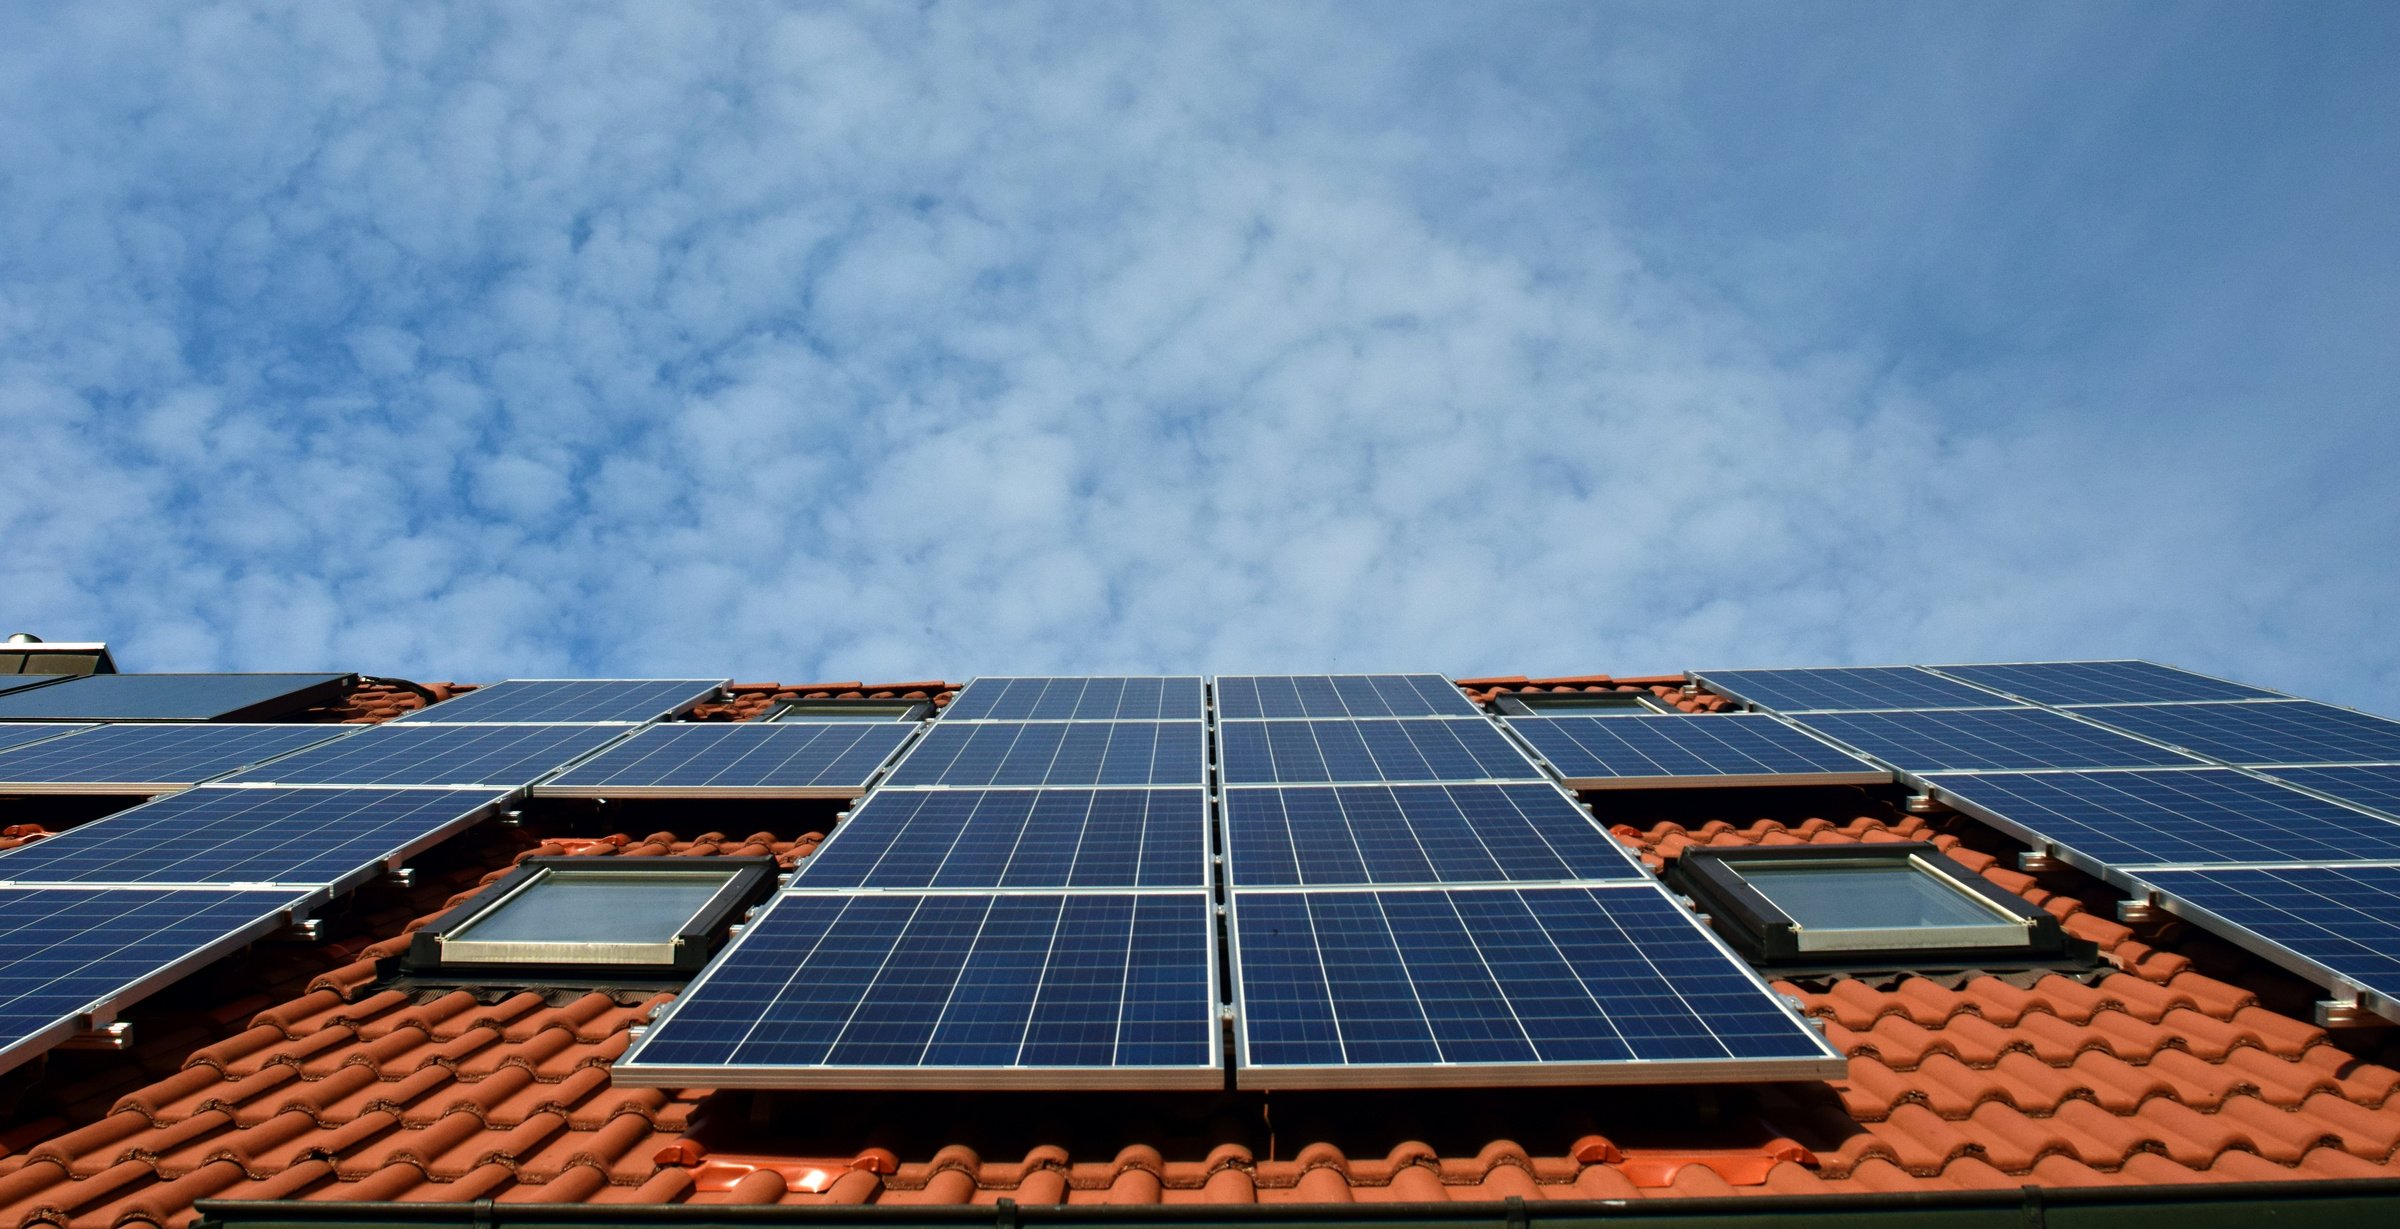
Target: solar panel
[
  {"x": 561, "y": 701},
  {"x": 1138, "y": 698},
  {"x": 2128, "y": 820},
  {"x": 65, "y": 952},
  {"x": 1340, "y": 695},
  {"x": 19, "y": 735},
  {"x": 501, "y": 756},
  {"x": 18, "y": 682},
  {"x": 1057, "y": 753},
  {"x": 322, "y": 837},
  {"x": 2262, "y": 733},
  {"x": 1748, "y": 749},
  {"x": 914, "y": 990},
  {"x": 146, "y": 758},
  {"x": 1018, "y": 839},
  {"x": 170, "y": 697},
  {"x": 1416, "y": 834},
  {"x": 2338, "y": 924},
  {"x": 1500, "y": 986},
  {"x": 2376, "y": 786},
  {"x": 743, "y": 759},
  {"x": 1427, "y": 749},
  {"x": 2103, "y": 682},
  {"x": 1988, "y": 740},
  {"x": 1847, "y": 688}
]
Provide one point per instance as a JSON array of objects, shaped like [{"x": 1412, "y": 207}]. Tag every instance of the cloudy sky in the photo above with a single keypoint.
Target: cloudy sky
[{"x": 801, "y": 342}]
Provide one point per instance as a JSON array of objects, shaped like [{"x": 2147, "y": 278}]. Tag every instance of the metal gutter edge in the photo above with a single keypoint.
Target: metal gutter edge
[{"x": 2200, "y": 1206}]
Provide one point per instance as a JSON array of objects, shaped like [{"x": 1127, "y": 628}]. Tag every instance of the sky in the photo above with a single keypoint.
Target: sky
[{"x": 802, "y": 342}]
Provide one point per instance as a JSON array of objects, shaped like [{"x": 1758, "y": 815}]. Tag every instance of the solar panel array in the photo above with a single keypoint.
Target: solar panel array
[
  {"x": 1250, "y": 696},
  {"x": 136, "y": 758},
  {"x": 19, "y": 682},
  {"x": 1732, "y": 749},
  {"x": 167, "y": 697},
  {"x": 215, "y": 836},
  {"x": 1018, "y": 839},
  {"x": 1416, "y": 834},
  {"x": 19, "y": 735},
  {"x": 1848, "y": 689},
  {"x": 1317, "y": 752},
  {"x": 498, "y": 756},
  {"x": 1174, "y": 698},
  {"x": 2273, "y": 820},
  {"x": 738, "y": 759},
  {"x": 569, "y": 701},
  {"x": 1057, "y": 754}
]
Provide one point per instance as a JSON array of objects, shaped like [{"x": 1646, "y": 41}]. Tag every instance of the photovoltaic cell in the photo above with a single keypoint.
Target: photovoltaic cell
[
  {"x": 167, "y": 697},
  {"x": 741, "y": 758},
  {"x": 888, "y": 990},
  {"x": 2129, "y": 820},
  {"x": 65, "y": 950},
  {"x": 502, "y": 756},
  {"x": 1057, "y": 753},
  {"x": 19, "y": 735},
  {"x": 2342, "y": 919},
  {"x": 1429, "y": 749},
  {"x": 1416, "y": 834},
  {"x": 152, "y": 755},
  {"x": 560, "y": 701},
  {"x": 1597, "y": 752},
  {"x": 2263, "y": 733},
  {"x": 1988, "y": 740},
  {"x": 2103, "y": 682},
  {"x": 1139, "y": 698},
  {"x": 1018, "y": 839},
  {"x": 215, "y": 836},
  {"x": 1525, "y": 985},
  {"x": 1243, "y": 696},
  {"x": 2376, "y": 786},
  {"x": 1848, "y": 688}
]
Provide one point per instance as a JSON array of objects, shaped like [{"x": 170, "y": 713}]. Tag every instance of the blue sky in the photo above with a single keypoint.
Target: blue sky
[{"x": 791, "y": 341}]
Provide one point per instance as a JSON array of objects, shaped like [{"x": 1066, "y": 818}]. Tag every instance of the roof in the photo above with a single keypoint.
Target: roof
[{"x": 2180, "y": 1061}]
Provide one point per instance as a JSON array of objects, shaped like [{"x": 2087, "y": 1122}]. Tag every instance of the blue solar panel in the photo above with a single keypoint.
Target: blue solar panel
[
  {"x": 19, "y": 735},
  {"x": 234, "y": 836},
  {"x": 1595, "y": 752},
  {"x": 1430, "y": 749},
  {"x": 1340, "y": 695},
  {"x": 1416, "y": 834},
  {"x": 1018, "y": 838},
  {"x": 19, "y": 682},
  {"x": 1989, "y": 740},
  {"x": 1057, "y": 753},
  {"x": 2376, "y": 786},
  {"x": 151, "y": 756},
  {"x": 1528, "y": 985},
  {"x": 746, "y": 758},
  {"x": 2103, "y": 682},
  {"x": 1848, "y": 688},
  {"x": 169, "y": 697},
  {"x": 2167, "y": 818},
  {"x": 561, "y": 701},
  {"x": 66, "y": 951},
  {"x": 2262, "y": 733},
  {"x": 888, "y": 990},
  {"x": 2342, "y": 920},
  {"x": 502, "y": 756},
  {"x": 1138, "y": 698}
]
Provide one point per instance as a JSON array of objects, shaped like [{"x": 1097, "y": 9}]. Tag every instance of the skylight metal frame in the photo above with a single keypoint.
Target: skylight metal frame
[
  {"x": 440, "y": 947},
  {"x": 1753, "y": 924}
]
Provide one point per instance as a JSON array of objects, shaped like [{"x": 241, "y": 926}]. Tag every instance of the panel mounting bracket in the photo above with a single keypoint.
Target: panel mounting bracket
[{"x": 113, "y": 1035}]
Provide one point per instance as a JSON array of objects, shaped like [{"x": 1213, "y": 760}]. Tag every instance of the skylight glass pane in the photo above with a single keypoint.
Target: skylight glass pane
[
  {"x": 1885, "y": 896},
  {"x": 607, "y": 908}
]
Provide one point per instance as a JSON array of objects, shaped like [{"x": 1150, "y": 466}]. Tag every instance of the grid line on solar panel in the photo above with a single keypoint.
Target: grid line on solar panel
[
  {"x": 892, "y": 990},
  {"x": 2366, "y": 785},
  {"x": 67, "y": 951},
  {"x": 152, "y": 754},
  {"x": 1070, "y": 698},
  {"x": 505, "y": 756},
  {"x": 318, "y": 837},
  {"x": 1243, "y": 697},
  {"x": 1848, "y": 689},
  {"x": 2174, "y": 817},
  {"x": 1344, "y": 751},
  {"x": 1416, "y": 834},
  {"x": 569, "y": 701},
  {"x": 1988, "y": 740},
  {"x": 2102, "y": 682},
  {"x": 19, "y": 735},
  {"x": 1017, "y": 839},
  {"x": 786, "y": 759},
  {"x": 2330, "y": 922},
  {"x": 1500, "y": 986},
  {"x": 2260, "y": 733},
  {"x": 1056, "y": 753},
  {"x": 1732, "y": 749},
  {"x": 168, "y": 697}
]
